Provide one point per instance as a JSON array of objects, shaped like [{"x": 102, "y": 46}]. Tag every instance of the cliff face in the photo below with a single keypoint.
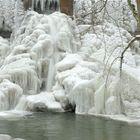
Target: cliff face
[{"x": 66, "y": 7}]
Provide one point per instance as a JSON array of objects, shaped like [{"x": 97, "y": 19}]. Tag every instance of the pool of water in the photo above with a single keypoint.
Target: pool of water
[{"x": 68, "y": 126}]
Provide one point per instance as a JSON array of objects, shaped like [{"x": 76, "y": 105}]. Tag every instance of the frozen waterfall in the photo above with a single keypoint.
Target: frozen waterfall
[
  {"x": 29, "y": 66},
  {"x": 47, "y": 67}
]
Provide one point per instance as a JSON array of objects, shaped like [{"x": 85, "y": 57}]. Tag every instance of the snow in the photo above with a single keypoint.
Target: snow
[
  {"x": 43, "y": 102},
  {"x": 51, "y": 63},
  {"x": 68, "y": 62},
  {"x": 116, "y": 12}
]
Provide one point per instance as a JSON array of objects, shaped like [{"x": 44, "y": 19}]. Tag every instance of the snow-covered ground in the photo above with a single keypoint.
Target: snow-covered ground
[{"x": 51, "y": 63}]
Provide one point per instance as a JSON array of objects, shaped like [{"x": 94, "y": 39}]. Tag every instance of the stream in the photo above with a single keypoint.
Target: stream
[{"x": 67, "y": 126}]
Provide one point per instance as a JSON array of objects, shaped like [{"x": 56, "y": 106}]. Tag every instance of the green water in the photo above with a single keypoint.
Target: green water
[{"x": 67, "y": 126}]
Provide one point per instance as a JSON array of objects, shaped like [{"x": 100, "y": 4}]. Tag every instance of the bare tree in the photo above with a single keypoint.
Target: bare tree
[{"x": 138, "y": 15}]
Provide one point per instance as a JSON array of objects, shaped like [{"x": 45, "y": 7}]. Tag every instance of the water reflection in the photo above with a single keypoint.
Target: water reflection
[{"x": 67, "y": 126}]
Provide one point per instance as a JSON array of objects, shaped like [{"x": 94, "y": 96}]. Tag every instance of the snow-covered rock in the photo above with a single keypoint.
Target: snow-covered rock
[{"x": 43, "y": 102}]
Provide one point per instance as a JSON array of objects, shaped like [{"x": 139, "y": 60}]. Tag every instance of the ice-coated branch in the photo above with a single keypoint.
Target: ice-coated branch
[{"x": 137, "y": 37}]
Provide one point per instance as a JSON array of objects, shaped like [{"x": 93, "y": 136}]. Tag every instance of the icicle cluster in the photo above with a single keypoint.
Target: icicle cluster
[
  {"x": 13, "y": 11},
  {"x": 45, "y": 6}
]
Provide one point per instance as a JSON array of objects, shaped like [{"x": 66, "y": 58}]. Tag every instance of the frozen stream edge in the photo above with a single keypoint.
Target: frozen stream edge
[{"x": 7, "y": 137}]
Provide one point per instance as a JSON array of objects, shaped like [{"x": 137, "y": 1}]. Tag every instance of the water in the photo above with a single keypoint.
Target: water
[{"x": 67, "y": 126}]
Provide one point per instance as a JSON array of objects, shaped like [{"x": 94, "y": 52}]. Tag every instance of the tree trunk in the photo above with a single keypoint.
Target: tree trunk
[{"x": 138, "y": 9}]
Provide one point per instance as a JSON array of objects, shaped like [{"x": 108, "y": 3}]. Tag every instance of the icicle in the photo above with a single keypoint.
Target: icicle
[
  {"x": 9, "y": 95},
  {"x": 45, "y": 6}
]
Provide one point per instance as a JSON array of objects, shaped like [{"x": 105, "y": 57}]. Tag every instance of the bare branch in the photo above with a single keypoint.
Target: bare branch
[{"x": 137, "y": 37}]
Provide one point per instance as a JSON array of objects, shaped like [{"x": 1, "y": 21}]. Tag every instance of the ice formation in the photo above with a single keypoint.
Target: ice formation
[
  {"x": 7, "y": 14},
  {"x": 47, "y": 67},
  {"x": 29, "y": 63},
  {"x": 45, "y": 6},
  {"x": 12, "y": 11}
]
